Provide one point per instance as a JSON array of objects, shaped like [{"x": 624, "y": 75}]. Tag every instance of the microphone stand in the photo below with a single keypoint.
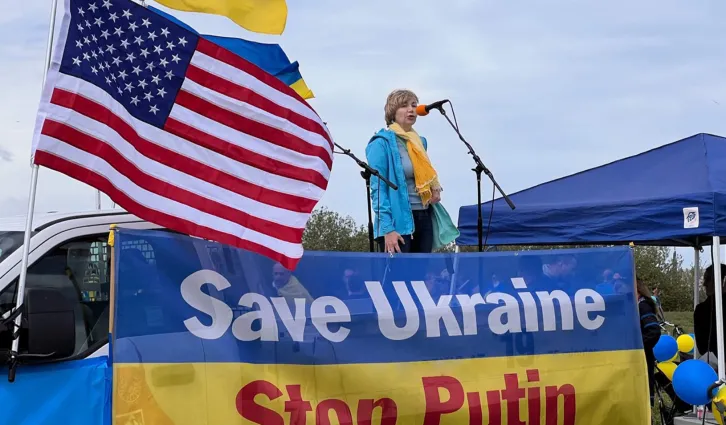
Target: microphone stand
[
  {"x": 480, "y": 168},
  {"x": 367, "y": 172}
]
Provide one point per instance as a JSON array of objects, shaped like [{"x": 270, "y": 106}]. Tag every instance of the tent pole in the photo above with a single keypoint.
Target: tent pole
[
  {"x": 696, "y": 276},
  {"x": 718, "y": 297}
]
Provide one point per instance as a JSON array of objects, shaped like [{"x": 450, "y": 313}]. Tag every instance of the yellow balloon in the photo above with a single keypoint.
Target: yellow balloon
[
  {"x": 667, "y": 368},
  {"x": 685, "y": 343},
  {"x": 720, "y": 398},
  {"x": 676, "y": 357}
]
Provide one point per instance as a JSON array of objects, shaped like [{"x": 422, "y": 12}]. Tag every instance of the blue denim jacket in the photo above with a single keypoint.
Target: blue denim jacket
[{"x": 391, "y": 207}]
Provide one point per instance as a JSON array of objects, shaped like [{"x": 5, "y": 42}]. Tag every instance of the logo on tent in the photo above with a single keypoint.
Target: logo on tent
[{"x": 690, "y": 218}]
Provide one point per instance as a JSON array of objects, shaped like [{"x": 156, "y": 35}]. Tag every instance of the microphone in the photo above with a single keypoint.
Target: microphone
[{"x": 423, "y": 110}]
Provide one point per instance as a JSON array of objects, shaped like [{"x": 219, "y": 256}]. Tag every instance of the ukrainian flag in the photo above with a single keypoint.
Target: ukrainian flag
[
  {"x": 263, "y": 16},
  {"x": 269, "y": 57}
]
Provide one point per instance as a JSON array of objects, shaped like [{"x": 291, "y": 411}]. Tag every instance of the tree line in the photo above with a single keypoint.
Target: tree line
[{"x": 660, "y": 267}]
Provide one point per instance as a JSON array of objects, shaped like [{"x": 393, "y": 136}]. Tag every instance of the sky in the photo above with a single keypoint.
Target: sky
[{"x": 541, "y": 89}]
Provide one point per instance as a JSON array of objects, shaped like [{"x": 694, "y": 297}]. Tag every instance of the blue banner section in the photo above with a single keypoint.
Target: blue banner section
[
  {"x": 77, "y": 392},
  {"x": 186, "y": 300}
]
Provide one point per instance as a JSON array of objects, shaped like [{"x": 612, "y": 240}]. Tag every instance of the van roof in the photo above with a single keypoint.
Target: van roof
[{"x": 40, "y": 220}]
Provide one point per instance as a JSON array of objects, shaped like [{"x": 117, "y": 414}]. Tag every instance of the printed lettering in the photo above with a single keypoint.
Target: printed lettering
[
  {"x": 435, "y": 406},
  {"x": 267, "y": 326},
  {"x": 250, "y": 410},
  {"x": 553, "y": 394},
  {"x": 468, "y": 310},
  {"x": 504, "y": 318},
  {"x": 296, "y": 406},
  {"x": 549, "y": 320},
  {"x": 389, "y": 411},
  {"x": 386, "y": 322},
  {"x": 341, "y": 409},
  {"x": 435, "y": 312},
  {"x": 295, "y": 325},
  {"x": 321, "y": 318},
  {"x": 221, "y": 314},
  {"x": 584, "y": 308},
  {"x": 512, "y": 393}
]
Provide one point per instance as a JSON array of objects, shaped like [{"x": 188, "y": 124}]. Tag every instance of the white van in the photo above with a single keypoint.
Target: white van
[{"x": 69, "y": 271}]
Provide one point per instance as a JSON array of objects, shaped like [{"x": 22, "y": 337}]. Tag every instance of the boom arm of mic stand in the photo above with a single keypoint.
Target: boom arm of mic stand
[
  {"x": 367, "y": 172},
  {"x": 367, "y": 168},
  {"x": 480, "y": 167}
]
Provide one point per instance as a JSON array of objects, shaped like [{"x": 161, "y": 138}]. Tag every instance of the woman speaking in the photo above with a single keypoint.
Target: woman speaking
[{"x": 410, "y": 219}]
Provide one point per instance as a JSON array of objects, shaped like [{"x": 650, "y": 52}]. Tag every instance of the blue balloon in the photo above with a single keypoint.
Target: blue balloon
[
  {"x": 691, "y": 381},
  {"x": 665, "y": 348}
]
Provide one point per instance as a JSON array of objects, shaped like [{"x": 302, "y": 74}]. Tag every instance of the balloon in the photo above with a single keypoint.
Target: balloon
[
  {"x": 691, "y": 381},
  {"x": 665, "y": 348},
  {"x": 685, "y": 343},
  {"x": 676, "y": 357},
  {"x": 668, "y": 368},
  {"x": 719, "y": 398}
]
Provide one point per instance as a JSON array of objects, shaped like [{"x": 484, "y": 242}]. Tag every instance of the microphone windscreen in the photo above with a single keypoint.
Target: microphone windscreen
[{"x": 421, "y": 110}]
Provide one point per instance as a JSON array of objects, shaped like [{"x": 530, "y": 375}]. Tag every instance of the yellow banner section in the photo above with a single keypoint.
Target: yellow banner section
[{"x": 563, "y": 389}]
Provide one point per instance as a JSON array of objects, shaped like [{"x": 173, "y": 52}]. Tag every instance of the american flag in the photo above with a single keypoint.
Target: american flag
[{"x": 180, "y": 131}]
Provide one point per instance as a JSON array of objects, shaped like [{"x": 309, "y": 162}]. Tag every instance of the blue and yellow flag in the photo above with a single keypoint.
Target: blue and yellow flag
[
  {"x": 269, "y": 57},
  {"x": 209, "y": 334},
  {"x": 262, "y": 16}
]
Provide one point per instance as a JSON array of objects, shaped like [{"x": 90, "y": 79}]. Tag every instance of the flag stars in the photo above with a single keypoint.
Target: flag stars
[
  {"x": 129, "y": 87},
  {"x": 130, "y": 57},
  {"x": 98, "y": 21},
  {"x": 92, "y": 7},
  {"x": 80, "y": 28},
  {"x": 107, "y": 4},
  {"x": 133, "y": 26},
  {"x": 135, "y": 100},
  {"x": 150, "y": 66},
  {"x": 161, "y": 92},
  {"x": 143, "y": 84},
  {"x": 118, "y": 89},
  {"x": 86, "y": 40},
  {"x": 127, "y": 14},
  {"x": 108, "y": 80},
  {"x": 81, "y": 11},
  {"x": 88, "y": 24},
  {"x": 105, "y": 34},
  {"x": 154, "y": 109},
  {"x": 79, "y": 44},
  {"x": 137, "y": 71},
  {"x": 94, "y": 70},
  {"x": 175, "y": 58},
  {"x": 155, "y": 79},
  {"x": 152, "y": 35},
  {"x": 183, "y": 41},
  {"x": 93, "y": 53},
  {"x": 118, "y": 31},
  {"x": 125, "y": 43},
  {"x": 144, "y": 53},
  {"x": 163, "y": 62},
  {"x": 100, "y": 50},
  {"x": 86, "y": 56},
  {"x": 165, "y": 32},
  {"x": 113, "y": 17},
  {"x": 169, "y": 75},
  {"x": 117, "y": 61},
  {"x": 158, "y": 49},
  {"x": 110, "y": 48},
  {"x": 169, "y": 45},
  {"x": 122, "y": 75},
  {"x": 77, "y": 61},
  {"x": 148, "y": 96},
  {"x": 93, "y": 37},
  {"x": 145, "y": 23},
  {"x": 138, "y": 40}
]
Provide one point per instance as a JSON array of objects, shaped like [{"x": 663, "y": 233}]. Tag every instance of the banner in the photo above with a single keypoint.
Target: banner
[
  {"x": 209, "y": 334},
  {"x": 77, "y": 392}
]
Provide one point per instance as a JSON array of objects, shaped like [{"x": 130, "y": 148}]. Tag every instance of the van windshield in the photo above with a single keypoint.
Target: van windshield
[{"x": 9, "y": 242}]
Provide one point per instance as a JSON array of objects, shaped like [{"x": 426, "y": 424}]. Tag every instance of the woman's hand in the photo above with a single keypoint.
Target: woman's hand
[
  {"x": 436, "y": 196},
  {"x": 392, "y": 240}
]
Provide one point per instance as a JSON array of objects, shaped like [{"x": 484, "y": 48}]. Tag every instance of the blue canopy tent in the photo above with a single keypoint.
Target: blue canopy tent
[
  {"x": 674, "y": 195},
  {"x": 646, "y": 199}
]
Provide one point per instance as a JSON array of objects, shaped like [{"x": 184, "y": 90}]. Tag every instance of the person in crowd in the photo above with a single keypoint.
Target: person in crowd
[
  {"x": 650, "y": 330},
  {"x": 404, "y": 217},
  {"x": 288, "y": 286},
  {"x": 704, "y": 316}
]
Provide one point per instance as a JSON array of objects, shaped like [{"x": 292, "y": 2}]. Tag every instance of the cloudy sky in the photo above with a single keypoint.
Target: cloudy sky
[{"x": 541, "y": 89}]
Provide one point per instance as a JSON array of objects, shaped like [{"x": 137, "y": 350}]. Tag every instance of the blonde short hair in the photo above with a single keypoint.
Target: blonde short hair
[{"x": 395, "y": 100}]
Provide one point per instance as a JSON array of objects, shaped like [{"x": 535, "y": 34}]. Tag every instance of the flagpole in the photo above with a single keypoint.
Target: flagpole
[{"x": 31, "y": 208}]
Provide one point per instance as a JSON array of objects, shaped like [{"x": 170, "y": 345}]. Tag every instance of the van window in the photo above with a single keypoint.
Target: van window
[{"x": 80, "y": 269}]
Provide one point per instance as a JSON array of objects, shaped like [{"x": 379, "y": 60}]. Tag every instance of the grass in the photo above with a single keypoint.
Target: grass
[{"x": 684, "y": 319}]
